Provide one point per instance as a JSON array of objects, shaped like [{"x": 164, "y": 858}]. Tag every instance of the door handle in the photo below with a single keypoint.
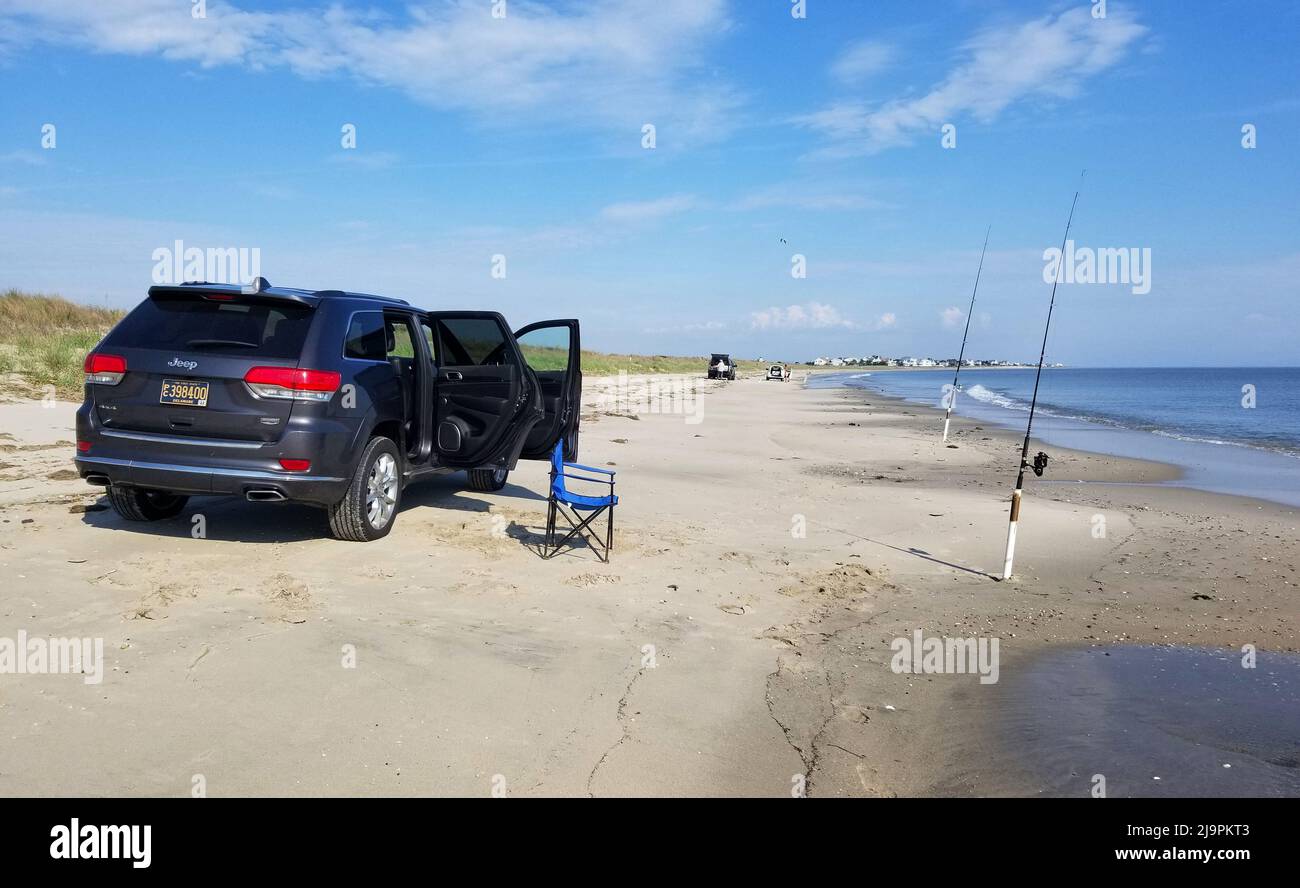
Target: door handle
[{"x": 453, "y": 375}]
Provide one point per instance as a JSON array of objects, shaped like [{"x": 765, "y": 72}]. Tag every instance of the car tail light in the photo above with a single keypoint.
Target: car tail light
[
  {"x": 292, "y": 383},
  {"x": 83, "y": 446},
  {"x": 295, "y": 465},
  {"x": 104, "y": 369}
]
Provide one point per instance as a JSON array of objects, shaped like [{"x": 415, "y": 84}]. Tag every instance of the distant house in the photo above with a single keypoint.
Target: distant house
[{"x": 820, "y": 362}]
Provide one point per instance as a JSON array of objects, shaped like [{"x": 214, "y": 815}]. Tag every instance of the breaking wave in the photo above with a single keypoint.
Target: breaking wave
[{"x": 988, "y": 396}]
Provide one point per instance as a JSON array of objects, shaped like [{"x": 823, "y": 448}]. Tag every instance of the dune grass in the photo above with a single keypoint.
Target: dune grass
[
  {"x": 44, "y": 340},
  {"x": 602, "y": 364}
]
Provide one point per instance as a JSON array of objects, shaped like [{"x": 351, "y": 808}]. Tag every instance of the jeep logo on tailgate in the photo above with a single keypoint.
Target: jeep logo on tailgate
[{"x": 177, "y": 362}]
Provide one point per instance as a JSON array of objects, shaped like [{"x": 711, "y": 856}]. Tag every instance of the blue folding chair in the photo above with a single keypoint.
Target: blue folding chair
[{"x": 593, "y": 505}]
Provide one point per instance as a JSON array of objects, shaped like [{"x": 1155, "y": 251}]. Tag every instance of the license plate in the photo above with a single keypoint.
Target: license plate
[{"x": 184, "y": 393}]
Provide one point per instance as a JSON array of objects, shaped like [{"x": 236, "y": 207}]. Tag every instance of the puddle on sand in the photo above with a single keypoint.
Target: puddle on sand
[{"x": 1136, "y": 713}]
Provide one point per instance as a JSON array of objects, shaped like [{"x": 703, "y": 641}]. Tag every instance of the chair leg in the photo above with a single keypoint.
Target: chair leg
[
  {"x": 609, "y": 535},
  {"x": 582, "y": 528},
  {"x": 550, "y": 529}
]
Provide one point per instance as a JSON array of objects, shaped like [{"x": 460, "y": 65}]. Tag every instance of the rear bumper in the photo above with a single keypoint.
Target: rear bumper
[
  {"x": 197, "y": 480},
  {"x": 207, "y": 466}
]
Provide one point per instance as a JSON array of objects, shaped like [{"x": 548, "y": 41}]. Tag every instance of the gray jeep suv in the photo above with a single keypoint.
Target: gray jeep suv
[{"x": 335, "y": 399}]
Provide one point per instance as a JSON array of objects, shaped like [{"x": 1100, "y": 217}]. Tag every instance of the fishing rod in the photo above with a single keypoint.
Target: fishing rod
[
  {"x": 952, "y": 394},
  {"x": 1040, "y": 461}
]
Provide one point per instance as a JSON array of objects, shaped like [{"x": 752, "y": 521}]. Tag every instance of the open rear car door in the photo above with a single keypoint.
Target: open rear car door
[
  {"x": 553, "y": 351},
  {"x": 485, "y": 398}
]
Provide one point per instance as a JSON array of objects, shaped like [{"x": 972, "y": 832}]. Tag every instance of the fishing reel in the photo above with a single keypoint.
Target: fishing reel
[{"x": 1039, "y": 464}]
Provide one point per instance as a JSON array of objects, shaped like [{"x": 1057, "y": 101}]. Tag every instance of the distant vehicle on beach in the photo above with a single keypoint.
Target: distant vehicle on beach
[
  {"x": 777, "y": 372},
  {"x": 722, "y": 367}
]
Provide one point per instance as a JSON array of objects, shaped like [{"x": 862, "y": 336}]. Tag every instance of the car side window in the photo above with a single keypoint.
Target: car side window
[
  {"x": 399, "y": 339},
  {"x": 367, "y": 338},
  {"x": 546, "y": 348},
  {"x": 472, "y": 342},
  {"x": 430, "y": 339}
]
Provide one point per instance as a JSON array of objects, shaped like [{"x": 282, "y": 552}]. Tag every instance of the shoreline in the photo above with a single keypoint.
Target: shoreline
[
  {"x": 1219, "y": 467},
  {"x": 1120, "y": 469}
]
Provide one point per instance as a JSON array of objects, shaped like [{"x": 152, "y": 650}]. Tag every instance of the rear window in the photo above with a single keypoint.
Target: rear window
[{"x": 258, "y": 329}]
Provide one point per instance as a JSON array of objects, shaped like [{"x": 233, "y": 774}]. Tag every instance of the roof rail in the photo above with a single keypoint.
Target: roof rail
[{"x": 341, "y": 294}]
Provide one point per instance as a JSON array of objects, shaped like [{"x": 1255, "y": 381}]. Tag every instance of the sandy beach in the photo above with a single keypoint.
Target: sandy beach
[{"x": 769, "y": 548}]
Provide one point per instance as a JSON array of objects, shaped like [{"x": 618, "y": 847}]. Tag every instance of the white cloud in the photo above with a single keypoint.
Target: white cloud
[
  {"x": 29, "y": 158},
  {"x": 369, "y": 160},
  {"x": 1046, "y": 58},
  {"x": 951, "y": 316},
  {"x": 617, "y": 63},
  {"x": 815, "y": 316},
  {"x": 809, "y": 316},
  {"x": 861, "y": 60},
  {"x": 808, "y": 196},
  {"x": 646, "y": 210}
]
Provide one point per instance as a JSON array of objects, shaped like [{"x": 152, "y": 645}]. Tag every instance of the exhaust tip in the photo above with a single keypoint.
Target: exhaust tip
[
  {"x": 100, "y": 480},
  {"x": 266, "y": 495}
]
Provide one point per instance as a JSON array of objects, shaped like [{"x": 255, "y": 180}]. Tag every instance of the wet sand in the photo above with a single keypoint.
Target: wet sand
[{"x": 1141, "y": 721}]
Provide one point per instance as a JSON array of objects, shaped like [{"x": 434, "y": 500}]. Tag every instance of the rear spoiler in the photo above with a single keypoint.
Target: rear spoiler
[{"x": 260, "y": 290}]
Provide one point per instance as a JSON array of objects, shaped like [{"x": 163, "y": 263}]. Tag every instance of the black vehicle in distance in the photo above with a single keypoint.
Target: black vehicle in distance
[{"x": 722, "y": 367}]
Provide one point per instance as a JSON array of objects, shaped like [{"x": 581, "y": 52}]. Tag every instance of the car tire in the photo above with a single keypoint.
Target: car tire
[
  {"x": 145, "y": 505},
  {"x": 488, "y": 479},
  {"x": 368, "y": 510}
]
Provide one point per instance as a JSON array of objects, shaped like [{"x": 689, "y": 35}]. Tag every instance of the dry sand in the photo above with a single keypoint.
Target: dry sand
[{"x": 720, "y": 653}]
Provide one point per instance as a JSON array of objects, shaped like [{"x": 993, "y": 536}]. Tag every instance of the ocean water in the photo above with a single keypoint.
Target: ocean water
[{"x": 1196, "y": 418}]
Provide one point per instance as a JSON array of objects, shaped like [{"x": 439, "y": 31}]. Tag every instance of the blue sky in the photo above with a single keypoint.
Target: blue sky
[{"x": 522, "y": 136}]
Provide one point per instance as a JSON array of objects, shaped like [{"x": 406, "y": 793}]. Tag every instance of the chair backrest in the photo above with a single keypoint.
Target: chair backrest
[{"x": 557, "y": 468}]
